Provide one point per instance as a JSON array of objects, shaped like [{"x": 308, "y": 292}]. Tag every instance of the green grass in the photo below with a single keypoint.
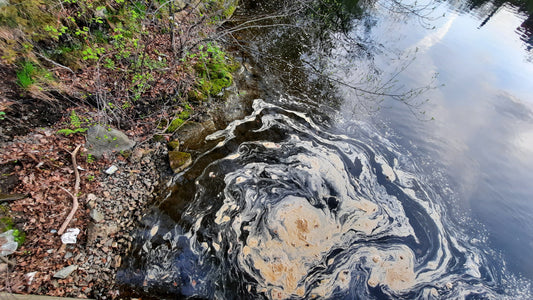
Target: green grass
[{"x": 25, "y": 76}]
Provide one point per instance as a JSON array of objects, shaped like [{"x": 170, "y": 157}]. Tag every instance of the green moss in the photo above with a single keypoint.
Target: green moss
[
  {"x": 175, "y": 124},
  {"x": 230, "y": 10},
  {"x": 174, "y": 145},
  {"x": 6, "y": 223},
  {"x": 178, "y": 121},
  {"x": 179, "y": 160},
  {"x": 214, "y": 69}
]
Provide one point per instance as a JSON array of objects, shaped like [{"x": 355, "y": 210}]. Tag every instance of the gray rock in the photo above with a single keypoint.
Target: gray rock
[
  {"x": 99, "y": 231},
  {"x": 234, "y": 108},
  {"x": 91, "y": 197},
  {"x": 192, "y": 134},
  {"x": 179, "y": 160},
  {"x": 102, "y": 140},
  {"x": 65, "y": 272},
  {"x": 96, "y": 215}
]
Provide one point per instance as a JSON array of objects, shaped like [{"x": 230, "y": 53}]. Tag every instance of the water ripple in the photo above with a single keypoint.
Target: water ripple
[{"x": 282, "y": 209}]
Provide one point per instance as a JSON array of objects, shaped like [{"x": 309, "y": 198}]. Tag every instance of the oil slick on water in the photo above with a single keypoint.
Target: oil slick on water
[{"x": 283, "y": 209}]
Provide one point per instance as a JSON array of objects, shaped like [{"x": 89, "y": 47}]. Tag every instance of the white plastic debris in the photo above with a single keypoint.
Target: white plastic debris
[
  {"x": 7, "y": 243},
  {"x": 69, "y": 237},
  {"x": 30, "y": 276},
  {"x": 111, "y": 170}
]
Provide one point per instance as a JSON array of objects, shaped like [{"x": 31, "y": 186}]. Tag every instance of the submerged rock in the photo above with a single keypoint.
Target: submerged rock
[
  {"x": 102, "y": 140},
  {"x": 179, "y": 160},
  {"x": 192, "y": 134}
]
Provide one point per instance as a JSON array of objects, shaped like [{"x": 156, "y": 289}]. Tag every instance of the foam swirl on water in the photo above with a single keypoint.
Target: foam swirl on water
[{"x": 280, "y": 208}]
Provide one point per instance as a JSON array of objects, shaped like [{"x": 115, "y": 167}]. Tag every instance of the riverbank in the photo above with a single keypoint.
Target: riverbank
[
  {"x": 39, "y": 165},
  {"x": 45, "y": 121}
]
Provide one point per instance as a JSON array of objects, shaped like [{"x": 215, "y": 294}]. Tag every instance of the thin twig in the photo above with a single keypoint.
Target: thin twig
[
  {"x": 73, "y": 195},
  {"x": 55, "y": 63}
]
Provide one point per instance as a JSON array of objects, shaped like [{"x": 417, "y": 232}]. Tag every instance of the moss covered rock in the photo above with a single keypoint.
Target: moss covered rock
[
  {"x": 174, "y": 145},
  {"x": 179, "y": 160}
]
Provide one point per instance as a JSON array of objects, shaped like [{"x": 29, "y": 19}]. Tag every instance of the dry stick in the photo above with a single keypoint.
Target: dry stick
[
  {"x": 73, "y": 195},
  {"x": 7, "y": 261},
  {"x": 56, "y": 64}
]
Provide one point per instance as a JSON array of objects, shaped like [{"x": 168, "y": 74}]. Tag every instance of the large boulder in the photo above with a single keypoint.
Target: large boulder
[{"x": 102, "y": 140}]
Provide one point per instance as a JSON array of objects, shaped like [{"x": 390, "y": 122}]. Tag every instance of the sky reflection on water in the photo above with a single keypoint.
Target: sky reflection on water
[{"x": 482, "y": 134}]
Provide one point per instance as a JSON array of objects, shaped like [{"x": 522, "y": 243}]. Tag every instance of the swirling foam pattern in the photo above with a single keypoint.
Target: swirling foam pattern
[{"x": 282, "y": 209}]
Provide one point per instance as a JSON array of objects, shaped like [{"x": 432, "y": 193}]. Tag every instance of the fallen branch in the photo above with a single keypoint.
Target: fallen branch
[
  {"x": 7, "y": 261},
  {"x": 73, "y": 195},
  {"x": 12, "y": 197}
]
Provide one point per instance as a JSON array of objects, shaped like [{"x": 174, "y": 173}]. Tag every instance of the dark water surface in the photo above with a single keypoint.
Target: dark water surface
[{"x": 352, "y": 185}]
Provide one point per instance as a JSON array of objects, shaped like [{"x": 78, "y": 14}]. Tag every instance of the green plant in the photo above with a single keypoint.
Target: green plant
[
  {"x": 214, "y": 68},
  {"x": 67, "y": 131},
  {"x": 2, "y": 115},
  {"x": 90, "y": 158},
  {"x": 25, "y": 76},
  {"x": 75, "y": 125},
  {"x": 6, "y": 223},
  {"x": 91, "y": 177}
]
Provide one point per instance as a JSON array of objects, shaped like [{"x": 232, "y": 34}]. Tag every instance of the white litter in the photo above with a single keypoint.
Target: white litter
[
  {"x": 111, "y": 170},
  {"x": 69, "y": 237},
  {"x": 7, "y": 243}
]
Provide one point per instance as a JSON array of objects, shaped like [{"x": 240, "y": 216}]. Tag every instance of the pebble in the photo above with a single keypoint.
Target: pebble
[
  {"x": 91, "y": 197},
  {"x": 118, "y": 208},
  {"x": 96, "y": 215},
  {"x": 80, "y": 256},
  {"x": 117, "y": 261},
  {"x": 65, "y": 272}
]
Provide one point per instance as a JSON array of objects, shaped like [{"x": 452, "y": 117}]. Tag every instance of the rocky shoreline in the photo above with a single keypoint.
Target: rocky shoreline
[{"x": 111, "y": 204}]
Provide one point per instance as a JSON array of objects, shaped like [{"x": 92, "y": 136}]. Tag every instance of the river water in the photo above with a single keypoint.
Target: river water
[{"x": 389, "y": 157}]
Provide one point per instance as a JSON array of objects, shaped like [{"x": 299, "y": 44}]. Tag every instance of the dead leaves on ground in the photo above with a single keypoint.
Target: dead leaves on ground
[{"x": 43, "y": 164}]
